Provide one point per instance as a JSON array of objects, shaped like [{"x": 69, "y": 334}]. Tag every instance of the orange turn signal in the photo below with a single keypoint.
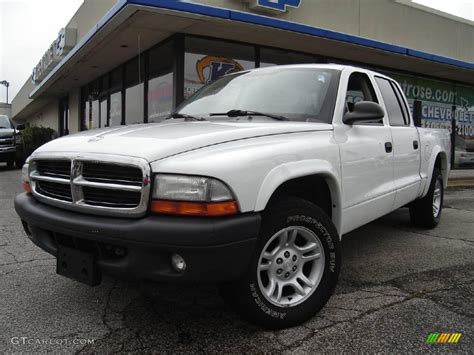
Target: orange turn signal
[
  {"x": 211, "y": 209},
  {"x": 27, "y": 187}
]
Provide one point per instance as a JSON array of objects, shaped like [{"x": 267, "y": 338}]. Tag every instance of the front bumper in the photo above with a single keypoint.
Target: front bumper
[{"x": 215, "y": 249}]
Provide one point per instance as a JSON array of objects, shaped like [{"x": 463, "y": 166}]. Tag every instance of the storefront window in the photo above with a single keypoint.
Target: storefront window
[
  {"x": 270, "y": 57},
  {"x": 134, "y": 92},
  {"x": 464, "y": 134},
  {"x": 160, "y": 97},
  {"x": 115, "y": 113},
  {"x": 160, "y": 84},
  {"x": 134, "y": 104},
  {"x": 103, "y": 112},
  {"x": 207, "y": 60},
  {"x": 92, "y": 114}
]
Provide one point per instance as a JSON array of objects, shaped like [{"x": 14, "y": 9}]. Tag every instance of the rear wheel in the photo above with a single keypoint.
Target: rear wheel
[
  {"x": 294, "y": 268},
  {"x": 426, "y": 212}
]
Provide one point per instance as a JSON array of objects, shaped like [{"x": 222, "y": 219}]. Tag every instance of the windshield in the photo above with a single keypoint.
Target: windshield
[
  {"x": 298, "y": 94},
  {"x": 5, "y": 122}
]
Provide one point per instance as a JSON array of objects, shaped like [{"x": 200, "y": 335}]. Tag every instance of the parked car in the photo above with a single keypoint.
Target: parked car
[
  {"x": 251, "y": 184},
  {"x": 464, "y": 152},
  {"x": 11, "y": 151}
]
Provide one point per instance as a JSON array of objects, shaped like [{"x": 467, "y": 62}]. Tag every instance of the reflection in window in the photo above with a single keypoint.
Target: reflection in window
[
  {"x": 270, "y": 57},
  {"x": 115, "y": 109},
  {"x": 160, "y": 97},
  {"x": 103, "y": 112},
  {"x": 134, "y": 104},
  {"x": 92, "y": 114},
  {"x": 207, "y": 60}
]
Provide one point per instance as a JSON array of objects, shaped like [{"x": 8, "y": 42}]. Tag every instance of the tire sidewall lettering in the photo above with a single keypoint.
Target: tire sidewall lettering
[{"x": 263, "y": 307}]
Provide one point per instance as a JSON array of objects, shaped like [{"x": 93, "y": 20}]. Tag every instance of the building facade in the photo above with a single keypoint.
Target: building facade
[{"x": 134, "y": 61}]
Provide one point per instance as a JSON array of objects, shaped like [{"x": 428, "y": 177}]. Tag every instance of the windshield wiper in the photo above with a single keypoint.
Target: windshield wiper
[
  {"x": 240, "y": 113},
  {"x": 187, "y": 117}
]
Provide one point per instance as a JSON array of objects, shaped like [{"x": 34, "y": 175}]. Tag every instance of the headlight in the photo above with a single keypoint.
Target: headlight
[
  {"x": 25, "y": 178},
  {"x": 192, "y": 195},
  {"x": 190, "y": 188}
]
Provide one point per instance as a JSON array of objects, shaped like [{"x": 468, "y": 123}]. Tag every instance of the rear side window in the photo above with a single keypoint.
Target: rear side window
[{"x": 392, "y": 102}]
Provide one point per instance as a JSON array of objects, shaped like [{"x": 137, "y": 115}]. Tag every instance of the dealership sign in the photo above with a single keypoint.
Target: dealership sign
[
  {"x": 56, "y": 52},
  {"x": 275, "y": 6}
]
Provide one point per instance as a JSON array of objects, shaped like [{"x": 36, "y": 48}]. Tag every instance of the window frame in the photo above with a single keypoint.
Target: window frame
[
  {"x": 398, "y": 100},
  {"x": 374, "y": 93}
]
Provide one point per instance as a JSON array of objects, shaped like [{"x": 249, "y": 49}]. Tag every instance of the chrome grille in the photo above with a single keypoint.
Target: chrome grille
[{"x": 92, "y": 184}]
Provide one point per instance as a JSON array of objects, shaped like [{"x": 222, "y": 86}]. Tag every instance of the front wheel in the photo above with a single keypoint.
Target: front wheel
[
  {"x": 426, "y": 212},
  {"x": 294, "y": 269}
]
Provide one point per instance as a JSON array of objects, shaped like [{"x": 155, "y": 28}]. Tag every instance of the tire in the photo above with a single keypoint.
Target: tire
[
  {"x": 426, "y": 212},
  {"x": 10, "y": 164},
  {"x": 308, "y": 232}
]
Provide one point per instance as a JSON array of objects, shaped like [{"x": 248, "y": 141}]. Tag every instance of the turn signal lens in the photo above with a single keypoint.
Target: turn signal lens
[
  {"x": 211, "y": 209},
  {"x": 27, "y": 187},
  {"x": 25, "y": 178}
]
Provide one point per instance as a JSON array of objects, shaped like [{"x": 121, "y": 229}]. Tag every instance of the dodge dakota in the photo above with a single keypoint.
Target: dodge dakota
[{"x": 250, "y": 184}]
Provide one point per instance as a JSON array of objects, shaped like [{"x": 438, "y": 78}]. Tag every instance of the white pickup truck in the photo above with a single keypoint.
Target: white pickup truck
[{"x": 250, "y": 184}]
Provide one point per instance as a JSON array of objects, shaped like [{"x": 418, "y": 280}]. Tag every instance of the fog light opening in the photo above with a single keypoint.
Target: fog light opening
[{"x": 178, "y": 263}]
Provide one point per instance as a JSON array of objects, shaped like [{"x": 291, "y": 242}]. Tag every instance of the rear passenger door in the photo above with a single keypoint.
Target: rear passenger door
[{"x": 406, "y": 142}]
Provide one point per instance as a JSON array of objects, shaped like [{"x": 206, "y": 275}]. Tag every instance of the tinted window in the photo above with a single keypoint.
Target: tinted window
[
  {"x": 359, "y": 89},
  {"x": 394, "y": 111},
  {"x": 298, "y": 94},
  {"x": 5, "y": 122}
]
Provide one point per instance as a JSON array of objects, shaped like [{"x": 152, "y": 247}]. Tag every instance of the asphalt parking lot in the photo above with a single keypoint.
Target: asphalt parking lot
[{"x": 397, "y": 285}]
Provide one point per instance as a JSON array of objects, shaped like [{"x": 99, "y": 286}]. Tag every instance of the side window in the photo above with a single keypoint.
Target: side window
[
  {"x": 360, "y": 88},
  {"x": 406, "y": 112},
  {"x": 392, "y": 102}
]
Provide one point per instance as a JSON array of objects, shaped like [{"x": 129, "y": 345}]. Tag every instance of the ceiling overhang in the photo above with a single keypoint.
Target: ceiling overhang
[{"x": 114, "y": 40}]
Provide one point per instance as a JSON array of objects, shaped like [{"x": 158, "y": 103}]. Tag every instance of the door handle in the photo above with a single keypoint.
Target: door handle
[
  {"x": 415, "y": 145},
  {"x": 388, "y": 147}
]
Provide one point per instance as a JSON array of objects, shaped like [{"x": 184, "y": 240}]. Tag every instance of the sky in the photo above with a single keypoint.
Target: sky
[{"x": 28, "y": 27}]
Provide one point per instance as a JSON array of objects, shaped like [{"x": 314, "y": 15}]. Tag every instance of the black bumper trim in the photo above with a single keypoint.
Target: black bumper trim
[{"x": 216, "y": 249}]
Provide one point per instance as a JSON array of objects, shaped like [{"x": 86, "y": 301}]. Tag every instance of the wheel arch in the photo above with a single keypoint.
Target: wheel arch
[
  {"x": 314, "y": 180},
  {"x": 439, "y": 159}
]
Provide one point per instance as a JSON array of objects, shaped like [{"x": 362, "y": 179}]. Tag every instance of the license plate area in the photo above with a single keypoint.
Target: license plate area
[{"x": 77, "y": 265}]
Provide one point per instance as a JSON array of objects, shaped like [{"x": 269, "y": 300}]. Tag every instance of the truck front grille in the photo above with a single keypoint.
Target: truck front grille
[
  {"x": 54, "y": 168},
  {"x": 6, "y": 142},
  {"x": 93, "y": 185},
  {"x": 99, "y": 172},
  {"x": 108, "y": 198},
  {"x": 54, "y": 190}
]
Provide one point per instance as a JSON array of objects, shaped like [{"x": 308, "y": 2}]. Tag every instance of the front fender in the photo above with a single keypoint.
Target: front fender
[{"x": 293, "y": 170}]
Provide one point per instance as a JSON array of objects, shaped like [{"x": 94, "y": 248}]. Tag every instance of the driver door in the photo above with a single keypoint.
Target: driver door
[{"x": 366, "y": 159}]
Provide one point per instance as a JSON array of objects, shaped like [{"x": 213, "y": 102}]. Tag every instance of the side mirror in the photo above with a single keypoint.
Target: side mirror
[
  {"x": 364, "y": 111},
  {"x": 20, "y": 127}
]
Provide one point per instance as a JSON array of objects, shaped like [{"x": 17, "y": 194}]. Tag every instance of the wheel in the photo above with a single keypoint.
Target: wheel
[
  {"x": 426, "y": 212},
  {"x": 294, "y": 268},
  {"x": 10, "y": 164}
]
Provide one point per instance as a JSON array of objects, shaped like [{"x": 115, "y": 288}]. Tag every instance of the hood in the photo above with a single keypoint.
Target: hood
[
  {"x": 160, "y": 140},
  {"x": 6, "y": 132}
]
